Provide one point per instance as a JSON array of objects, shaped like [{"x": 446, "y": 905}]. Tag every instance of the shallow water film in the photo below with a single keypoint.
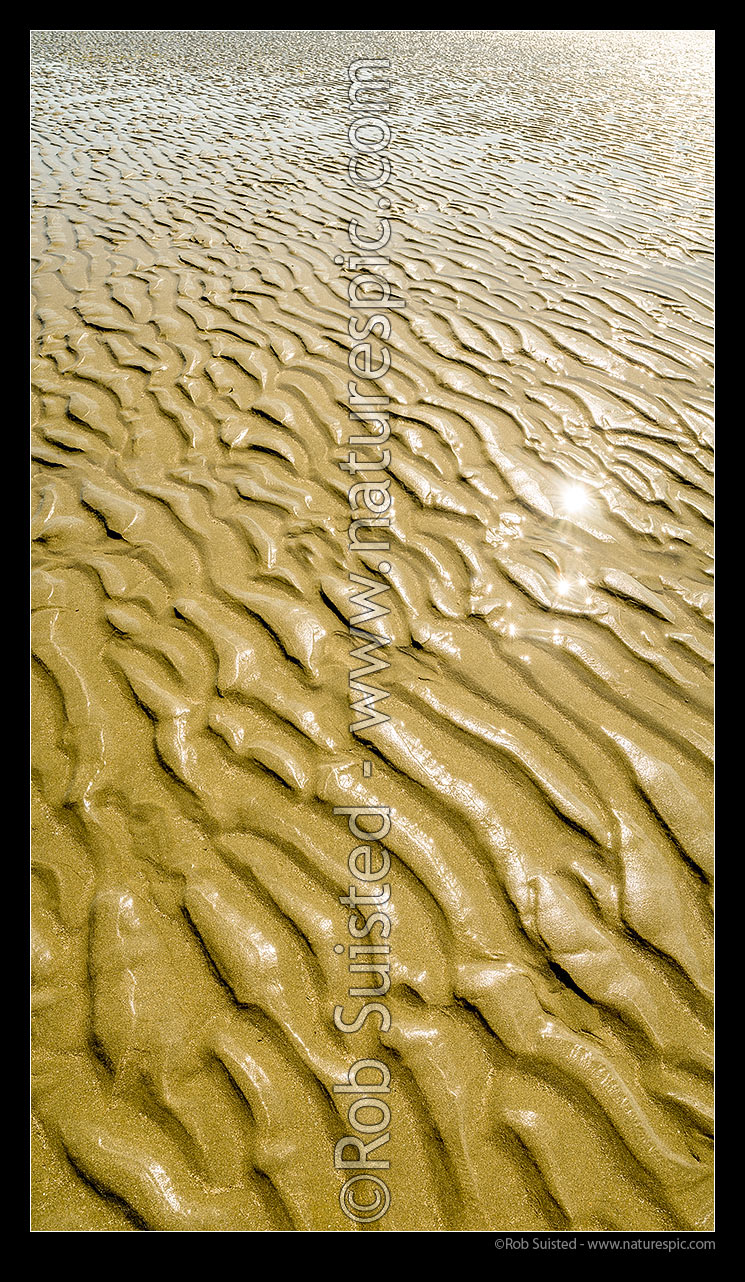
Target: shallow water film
[{"x": 372, "y": 633}]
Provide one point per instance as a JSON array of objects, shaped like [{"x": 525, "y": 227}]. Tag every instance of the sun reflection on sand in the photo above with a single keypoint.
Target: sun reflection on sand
[{"x": 574, "y": 499}]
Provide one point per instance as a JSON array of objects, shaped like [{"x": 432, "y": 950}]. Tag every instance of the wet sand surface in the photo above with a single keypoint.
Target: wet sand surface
[{"x": 547, "y": 760}]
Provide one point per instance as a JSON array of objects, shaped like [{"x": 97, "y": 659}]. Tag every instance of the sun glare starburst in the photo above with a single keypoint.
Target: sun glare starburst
[{"x": 574, "y": 499}]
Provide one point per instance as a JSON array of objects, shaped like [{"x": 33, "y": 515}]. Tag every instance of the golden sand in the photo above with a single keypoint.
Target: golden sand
[{"x": 547, "y": 761}]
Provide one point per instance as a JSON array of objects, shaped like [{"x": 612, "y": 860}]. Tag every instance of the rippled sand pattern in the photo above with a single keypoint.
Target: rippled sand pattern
[{"x": 548, "y": 758}]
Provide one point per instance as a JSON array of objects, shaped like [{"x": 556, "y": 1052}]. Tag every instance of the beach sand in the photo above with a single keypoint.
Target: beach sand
[{"x": 547, "y": 761}]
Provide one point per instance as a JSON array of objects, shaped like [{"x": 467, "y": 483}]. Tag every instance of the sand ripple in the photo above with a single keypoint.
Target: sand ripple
[{"x": 548, "y": 757}]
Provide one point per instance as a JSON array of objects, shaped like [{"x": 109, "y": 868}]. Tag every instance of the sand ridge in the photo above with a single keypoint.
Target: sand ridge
[{"x": 548, "y": 756}]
